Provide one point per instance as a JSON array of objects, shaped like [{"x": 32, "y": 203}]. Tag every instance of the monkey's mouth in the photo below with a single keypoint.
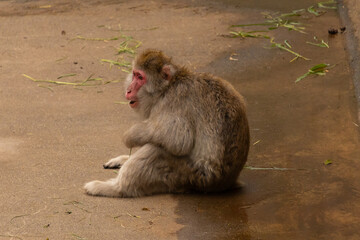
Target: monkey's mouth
[{"x": 133, "y": 103}]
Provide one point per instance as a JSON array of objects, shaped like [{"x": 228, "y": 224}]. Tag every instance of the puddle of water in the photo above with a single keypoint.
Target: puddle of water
[{"x": 213, "y": 216}]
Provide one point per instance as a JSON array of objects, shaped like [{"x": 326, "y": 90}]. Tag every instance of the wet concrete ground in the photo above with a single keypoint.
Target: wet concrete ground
[{"x": 54, "y": 140}]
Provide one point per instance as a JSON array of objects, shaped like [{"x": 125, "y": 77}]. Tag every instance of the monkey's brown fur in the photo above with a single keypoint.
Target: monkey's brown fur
[{"x": 194, "y": 135}]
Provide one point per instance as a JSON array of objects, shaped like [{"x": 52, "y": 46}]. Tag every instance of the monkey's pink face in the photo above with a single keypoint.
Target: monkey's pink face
[{"x": 138, "y": 80}]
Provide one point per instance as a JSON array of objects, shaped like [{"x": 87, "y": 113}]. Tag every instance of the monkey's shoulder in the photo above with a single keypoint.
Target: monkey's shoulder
[
  {"x": 213, "y": 85},
  {"x": 213, "y": 82},
  {"x": 202, "y": 91}
]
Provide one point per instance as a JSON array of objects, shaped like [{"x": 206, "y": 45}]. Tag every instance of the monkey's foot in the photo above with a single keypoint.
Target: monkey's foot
[
  {"x": 115, "y": 163},
  {"x": 99, "y": 188}
]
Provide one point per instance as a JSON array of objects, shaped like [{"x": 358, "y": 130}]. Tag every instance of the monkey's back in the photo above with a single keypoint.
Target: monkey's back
[{"x": 222, "y": 131}]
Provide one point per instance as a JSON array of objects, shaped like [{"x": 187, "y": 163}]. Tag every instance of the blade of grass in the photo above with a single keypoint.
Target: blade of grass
[
  {"x": 126, "y": 48},
  {"x": 287, "y": 44},
  {"x": 129, "y": 29},
  {"x": 252, "y": 24},
  {"x": 96, "y": 39},
  {"x": 278, "y": 21},
  {"x": 77, "y": 236},
  {"x": 312, "y": 10},
  {"x": 257, "y": 31},
  {"x": 67, "y": 75},
  {"x": 247, "y": 34},
  {"x": 293, "y": 13},
  {"x": 282, "y": 47},
  {"x": 325, "y": 4},
  {"x": 275, "y": 21},
  {"x": 61, "y": 59},
  {"x": 47, "y": 87},
  {"x": 322, "y": 44},
  {"x": 83, "y": 83},
  {"x": 302, "y": 77},
  {"x": 121, "y": 64}
]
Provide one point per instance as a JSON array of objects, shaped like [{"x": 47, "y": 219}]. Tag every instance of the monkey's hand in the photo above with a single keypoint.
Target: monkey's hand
[
  {"x": 137, "y": 136},
  {"x": 172, "y": 133}
]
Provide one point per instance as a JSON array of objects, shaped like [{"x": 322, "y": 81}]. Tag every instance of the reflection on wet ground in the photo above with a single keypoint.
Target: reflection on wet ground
[
  {"x": 214, "y": 216},
  {"x": 296, "y": 127}
]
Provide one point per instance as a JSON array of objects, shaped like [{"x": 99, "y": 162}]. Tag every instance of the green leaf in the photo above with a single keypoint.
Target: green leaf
[
  {"x": 319, "y": 67},
  {"x": 328, "y": 162}
]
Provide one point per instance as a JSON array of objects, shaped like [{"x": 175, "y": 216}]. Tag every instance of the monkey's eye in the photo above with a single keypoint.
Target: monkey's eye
[{"x": 140, "y": 77}]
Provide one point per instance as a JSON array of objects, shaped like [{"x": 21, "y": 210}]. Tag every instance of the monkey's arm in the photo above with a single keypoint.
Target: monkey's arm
[
  {"x": 138, "y": 135},
  {"x": 174, "y": 134}
]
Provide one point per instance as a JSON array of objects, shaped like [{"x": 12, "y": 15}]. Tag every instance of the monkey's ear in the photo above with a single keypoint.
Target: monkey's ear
[{"x": 167, "y": 72}]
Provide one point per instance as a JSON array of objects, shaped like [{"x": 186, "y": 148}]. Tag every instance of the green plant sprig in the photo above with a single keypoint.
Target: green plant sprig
[{"x": 319, "y": 70}]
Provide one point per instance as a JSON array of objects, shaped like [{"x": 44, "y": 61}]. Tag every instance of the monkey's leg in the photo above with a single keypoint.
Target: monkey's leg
[
  {"x": 152, "y": 170},
  {"x": 117, "y": 162},
  {"x": 148, "y": 171},
  {"x": 110, "y": 188}
]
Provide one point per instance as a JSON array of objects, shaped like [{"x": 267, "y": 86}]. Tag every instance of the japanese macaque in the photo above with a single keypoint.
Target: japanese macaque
[{"x": 194, "y": 135}]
